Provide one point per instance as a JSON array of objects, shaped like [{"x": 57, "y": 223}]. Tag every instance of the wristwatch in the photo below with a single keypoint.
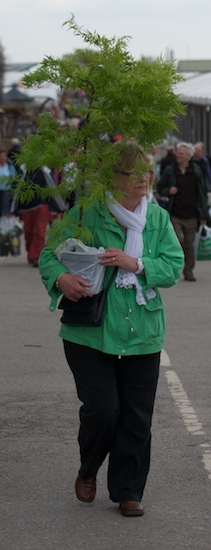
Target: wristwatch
[{"x": 140, "y": 266}]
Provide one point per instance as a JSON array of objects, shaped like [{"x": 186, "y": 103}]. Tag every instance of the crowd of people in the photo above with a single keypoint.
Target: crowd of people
[{"x": 182, "y": 186}]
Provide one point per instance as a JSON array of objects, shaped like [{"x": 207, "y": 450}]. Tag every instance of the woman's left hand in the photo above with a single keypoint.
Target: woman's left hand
[{"x": 116, "y": 257}]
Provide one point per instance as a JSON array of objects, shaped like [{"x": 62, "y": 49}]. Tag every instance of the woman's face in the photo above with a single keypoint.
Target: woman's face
[{"x": 133, "y": 185}]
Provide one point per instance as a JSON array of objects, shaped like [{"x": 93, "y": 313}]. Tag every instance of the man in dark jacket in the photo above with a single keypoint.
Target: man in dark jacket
[{"x": 183, "y": 184}]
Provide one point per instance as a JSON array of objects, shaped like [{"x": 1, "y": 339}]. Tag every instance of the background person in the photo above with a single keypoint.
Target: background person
[
  {"x": 7, "y": 170},
  {"x": 183, "y": 184},
  {"x": 169, "y": 159},
  {"x": 116, "y": 365},
  {"x": 36, "y": 213},
  {"x": 35, "y": 216},
  {"x": 14, "y": 149},
  {"x": 204, "y": 162}
]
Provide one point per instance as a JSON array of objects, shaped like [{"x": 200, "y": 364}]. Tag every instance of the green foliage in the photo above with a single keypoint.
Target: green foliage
[
  {"x": 133, "y": 98},
  {"x": 81, "y": 56},
  {"x": 57, "y": 234}
]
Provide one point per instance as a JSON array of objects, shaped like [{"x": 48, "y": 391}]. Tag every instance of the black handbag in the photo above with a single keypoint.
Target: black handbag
[{"x": 87, "y": 311}]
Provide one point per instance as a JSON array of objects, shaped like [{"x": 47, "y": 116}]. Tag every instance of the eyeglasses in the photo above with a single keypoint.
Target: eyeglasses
[{"x": 130, "y": 174}]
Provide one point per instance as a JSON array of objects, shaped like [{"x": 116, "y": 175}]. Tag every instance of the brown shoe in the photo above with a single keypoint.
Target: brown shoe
[
  {"x": 190, "y": 277},
  {"x": 85, "y": 489},
  {"x": 131, "y": 508}
]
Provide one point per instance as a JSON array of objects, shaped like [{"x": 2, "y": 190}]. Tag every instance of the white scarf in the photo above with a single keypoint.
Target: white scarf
[{"x": 134, "y": 222}]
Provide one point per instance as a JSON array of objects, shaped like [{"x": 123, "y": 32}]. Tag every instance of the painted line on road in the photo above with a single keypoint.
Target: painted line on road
[
  {"x": 187, "y": 411},
  {"x": 165, "y": 360},
  {"x": 188, "y": 414}
]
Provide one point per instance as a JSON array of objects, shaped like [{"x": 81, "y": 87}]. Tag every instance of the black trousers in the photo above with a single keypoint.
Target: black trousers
[
  {"x": 5, "y": 201},
  {"x": 118, "y": 398}
]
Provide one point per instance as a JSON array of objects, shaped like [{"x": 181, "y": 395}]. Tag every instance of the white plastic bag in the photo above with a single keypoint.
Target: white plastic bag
[
  {"x": 83, "y": 260},
  {"x": 203, "y": 243},
  {"x": 10, "y": 223},
  {"x": 10, "y": 231}
]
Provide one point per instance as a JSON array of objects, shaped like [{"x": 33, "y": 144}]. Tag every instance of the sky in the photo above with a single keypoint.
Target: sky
[{"x": 33, "y": 29}]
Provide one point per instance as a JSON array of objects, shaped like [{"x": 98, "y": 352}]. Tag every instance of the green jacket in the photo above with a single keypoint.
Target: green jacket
[
  {"x": 127, "y": 329},
  {"x": 168, "y": 180}
]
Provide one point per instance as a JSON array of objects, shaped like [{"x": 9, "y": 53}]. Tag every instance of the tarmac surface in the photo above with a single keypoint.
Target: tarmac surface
[{"x": 39, "y": 425}]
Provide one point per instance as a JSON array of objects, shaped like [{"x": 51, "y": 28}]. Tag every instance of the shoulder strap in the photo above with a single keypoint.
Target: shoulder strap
[{"x": 111, "y": 278}]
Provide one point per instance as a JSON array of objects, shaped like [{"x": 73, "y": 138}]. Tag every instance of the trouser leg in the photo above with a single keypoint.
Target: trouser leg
[
  {"x": 1, "y": 203},
  {"x": 35, "y": 223},
  {"x": 28, "y": 220},
  {"x": 95, "y": 378},
  {"x": 185, "y": 231},
  {"x": 189, "y": 229},
  {"x": 41, "y": 216},
  {"x": 178, "y": 228},
  {"x": 6, "y": 201},
  {"x": 130, "y": 449}
]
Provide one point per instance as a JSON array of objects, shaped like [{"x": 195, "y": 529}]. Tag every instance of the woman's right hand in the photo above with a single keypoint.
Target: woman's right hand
[{"x": 73, "y": 286}]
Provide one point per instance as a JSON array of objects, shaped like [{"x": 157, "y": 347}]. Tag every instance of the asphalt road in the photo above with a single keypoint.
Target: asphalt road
[{"x": 39, "y": 418}]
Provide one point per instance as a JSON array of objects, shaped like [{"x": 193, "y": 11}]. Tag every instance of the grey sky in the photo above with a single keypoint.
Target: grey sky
[{"x": 31, "y": 29}]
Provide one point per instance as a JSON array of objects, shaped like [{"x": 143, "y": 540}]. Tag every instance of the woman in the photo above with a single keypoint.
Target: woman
[
  {"x": 116, "y": 365},
  {"x": 7, "y": 171}
]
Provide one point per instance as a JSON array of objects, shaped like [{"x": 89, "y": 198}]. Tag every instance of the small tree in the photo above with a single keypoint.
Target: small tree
[{"x": 133, "y": 98}]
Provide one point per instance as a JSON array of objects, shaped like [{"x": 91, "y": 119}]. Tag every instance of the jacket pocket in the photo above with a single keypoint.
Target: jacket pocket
[{"x": 154, "y": 323}]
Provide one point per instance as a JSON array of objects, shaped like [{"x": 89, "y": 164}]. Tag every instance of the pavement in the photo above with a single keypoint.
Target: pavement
[{"x": 39, "y": 424}]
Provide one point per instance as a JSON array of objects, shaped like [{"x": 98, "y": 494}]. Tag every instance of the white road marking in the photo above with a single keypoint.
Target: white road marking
[
  {"x": 165, "y": 360},
  {"x": 206, "y": 458},
  {"x": 188, "y": 414}
]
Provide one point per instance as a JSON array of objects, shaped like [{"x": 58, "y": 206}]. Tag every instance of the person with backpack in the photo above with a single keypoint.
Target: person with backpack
[{"x": 35, "y": 214}]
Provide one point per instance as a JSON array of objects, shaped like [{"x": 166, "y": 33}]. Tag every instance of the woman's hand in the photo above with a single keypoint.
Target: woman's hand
[
  {"x": 115, "y": 256},
  {"x": 73, "y": 286}
]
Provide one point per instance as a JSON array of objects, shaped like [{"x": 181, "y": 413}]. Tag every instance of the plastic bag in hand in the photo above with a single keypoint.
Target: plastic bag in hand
[{"x": 83, "y": 260}]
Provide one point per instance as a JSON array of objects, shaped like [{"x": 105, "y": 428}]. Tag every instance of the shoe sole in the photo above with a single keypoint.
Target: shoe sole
[
  {"x": 83, "y": 500},
  {"x": 132, "y": 514}
]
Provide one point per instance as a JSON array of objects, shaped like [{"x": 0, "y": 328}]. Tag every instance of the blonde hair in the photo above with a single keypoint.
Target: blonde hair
[{"x": 131, "y": 154}]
